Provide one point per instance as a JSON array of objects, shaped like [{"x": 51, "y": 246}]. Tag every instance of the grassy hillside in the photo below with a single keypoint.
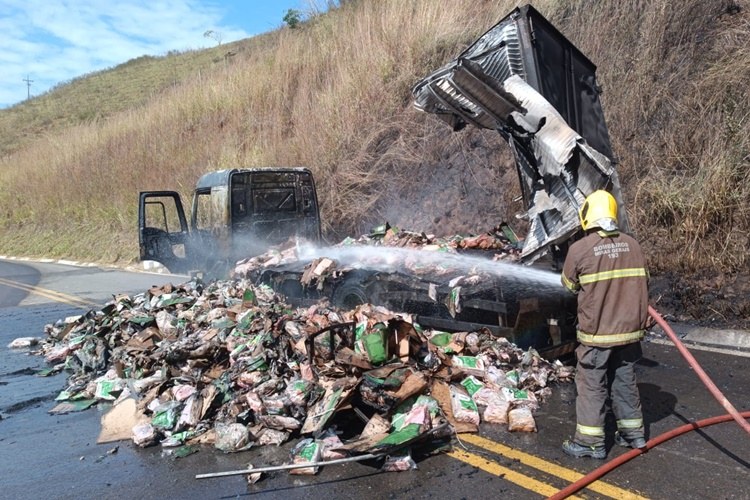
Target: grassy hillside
[
  {"x": 334, "y": 95},
  {"x": 96, "y": 96}
]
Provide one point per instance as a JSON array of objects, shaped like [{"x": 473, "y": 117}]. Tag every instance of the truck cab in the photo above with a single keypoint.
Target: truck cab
[{"x": 235, "y": 214}]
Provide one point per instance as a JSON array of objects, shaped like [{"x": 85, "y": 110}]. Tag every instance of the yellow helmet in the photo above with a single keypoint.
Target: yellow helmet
[{"x": 599, "y": 210}]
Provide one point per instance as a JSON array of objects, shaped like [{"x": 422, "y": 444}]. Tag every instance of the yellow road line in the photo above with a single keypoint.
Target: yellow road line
[
  {"x": 548, "y": 467},
  {"x": 50, "y": 294},
  {"x": 543, "y": 489}
]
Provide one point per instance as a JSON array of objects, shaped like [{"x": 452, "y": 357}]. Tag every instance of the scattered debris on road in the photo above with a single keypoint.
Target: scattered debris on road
[
  {"x": 23, "y": 342},
  {"x": 231, "y": 364}
]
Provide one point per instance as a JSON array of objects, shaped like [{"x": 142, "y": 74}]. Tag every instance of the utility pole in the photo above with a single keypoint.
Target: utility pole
[{"x": 28, "y": 87}]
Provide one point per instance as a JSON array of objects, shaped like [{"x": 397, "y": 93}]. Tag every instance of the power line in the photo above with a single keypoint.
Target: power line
[{"x": 28, "y": 86}]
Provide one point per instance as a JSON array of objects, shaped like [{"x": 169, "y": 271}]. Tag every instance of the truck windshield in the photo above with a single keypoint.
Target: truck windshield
[{"x": 209, "y": 209}]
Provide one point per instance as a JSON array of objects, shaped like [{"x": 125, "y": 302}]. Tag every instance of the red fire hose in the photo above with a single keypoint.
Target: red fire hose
[
  {"x": 732, "y": 414},
  {"x": 626, "y": 457},
  {"x": 699, "y": 371}
]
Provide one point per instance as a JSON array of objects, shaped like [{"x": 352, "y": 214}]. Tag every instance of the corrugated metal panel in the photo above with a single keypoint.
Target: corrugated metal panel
[
  {"x": 488, "y": 85},
  {"x": 497, "y": 53}
]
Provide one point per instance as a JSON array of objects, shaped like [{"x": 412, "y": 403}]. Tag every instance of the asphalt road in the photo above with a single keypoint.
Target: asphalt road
[{"x": 56, "y": 456}]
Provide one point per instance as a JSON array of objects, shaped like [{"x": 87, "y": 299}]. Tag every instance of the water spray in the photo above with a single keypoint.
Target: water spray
[{"x": 382, "y": 258}]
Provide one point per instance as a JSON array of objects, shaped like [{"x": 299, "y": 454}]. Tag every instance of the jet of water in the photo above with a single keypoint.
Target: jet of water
[{"x": 389, "y": 259}]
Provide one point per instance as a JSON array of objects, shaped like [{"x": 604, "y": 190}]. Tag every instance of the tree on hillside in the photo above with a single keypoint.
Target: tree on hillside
[
  {"x": 292, "y": 18},
  {"x": 213, "y": 35}
]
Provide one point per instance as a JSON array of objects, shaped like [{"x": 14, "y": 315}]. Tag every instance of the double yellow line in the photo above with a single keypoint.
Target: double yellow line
[
  {"x": 531, "y": 461},
  {"x": 51, "y": 294}
]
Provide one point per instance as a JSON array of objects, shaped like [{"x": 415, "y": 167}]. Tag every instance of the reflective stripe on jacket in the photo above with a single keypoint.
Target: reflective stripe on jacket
[{"x": 607, "y": 270}]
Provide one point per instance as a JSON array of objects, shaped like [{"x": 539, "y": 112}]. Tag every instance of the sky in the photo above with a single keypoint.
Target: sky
[{"x": 47, "y": 42}]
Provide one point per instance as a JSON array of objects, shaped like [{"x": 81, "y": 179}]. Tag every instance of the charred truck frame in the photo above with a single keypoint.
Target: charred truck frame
[
  {"x": 525, "y": 80},
  {"x": 528, "y": 82}
]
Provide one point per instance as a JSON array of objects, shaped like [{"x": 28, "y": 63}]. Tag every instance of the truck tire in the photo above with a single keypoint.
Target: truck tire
[{"x": 351, "y": 293}]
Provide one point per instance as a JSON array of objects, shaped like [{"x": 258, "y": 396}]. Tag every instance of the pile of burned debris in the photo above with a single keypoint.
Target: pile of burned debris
[
  {"x": 229, "y": 363},
  {"x": 501, "y": 239}
]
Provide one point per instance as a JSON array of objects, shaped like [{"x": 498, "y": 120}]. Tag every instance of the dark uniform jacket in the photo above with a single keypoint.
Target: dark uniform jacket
[{"x": 607, "y": 270}]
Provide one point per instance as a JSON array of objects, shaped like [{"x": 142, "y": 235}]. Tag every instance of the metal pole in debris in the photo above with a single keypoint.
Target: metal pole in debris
[
  {"x": 431, "y": 433},
  {"x": 273, "y": 468}
]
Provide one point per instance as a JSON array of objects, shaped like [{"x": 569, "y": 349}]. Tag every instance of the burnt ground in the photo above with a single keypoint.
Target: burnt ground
[
  {"x": 460, "y": 183},
  {"x": 703, "y": 299}
]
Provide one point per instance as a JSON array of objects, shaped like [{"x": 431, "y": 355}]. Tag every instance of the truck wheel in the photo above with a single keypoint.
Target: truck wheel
[{"x": 350, "y": 294}]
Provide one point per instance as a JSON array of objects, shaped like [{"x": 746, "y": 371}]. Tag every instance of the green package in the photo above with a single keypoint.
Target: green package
[
  {"x": 375, "y": 344},
  {"x": 472, "y": 385},
  {"x": 441, "y": 339}
]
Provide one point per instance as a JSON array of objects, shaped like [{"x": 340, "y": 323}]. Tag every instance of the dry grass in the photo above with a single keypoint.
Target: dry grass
[
  {"x": 334, "y": 95},
  {"x": 680, "y": 121}
]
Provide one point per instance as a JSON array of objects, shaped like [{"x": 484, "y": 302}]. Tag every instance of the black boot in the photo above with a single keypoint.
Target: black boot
[
  {"x": 579, "y": 450},
  {"x": 638, "y": 442}
]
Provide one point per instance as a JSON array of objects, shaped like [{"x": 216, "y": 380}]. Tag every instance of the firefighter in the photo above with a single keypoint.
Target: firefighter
[{"x": 606, "y": 269}]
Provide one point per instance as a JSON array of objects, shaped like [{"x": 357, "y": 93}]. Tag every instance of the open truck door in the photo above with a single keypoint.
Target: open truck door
[
  {"x": 163, "y": 234},
  {"x": 235, "y": 214}
]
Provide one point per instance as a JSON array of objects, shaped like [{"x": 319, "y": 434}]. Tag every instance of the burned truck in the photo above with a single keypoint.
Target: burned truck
[
  {"x": 525, "y": 80},
  {"x": 235, "y": 213}
]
